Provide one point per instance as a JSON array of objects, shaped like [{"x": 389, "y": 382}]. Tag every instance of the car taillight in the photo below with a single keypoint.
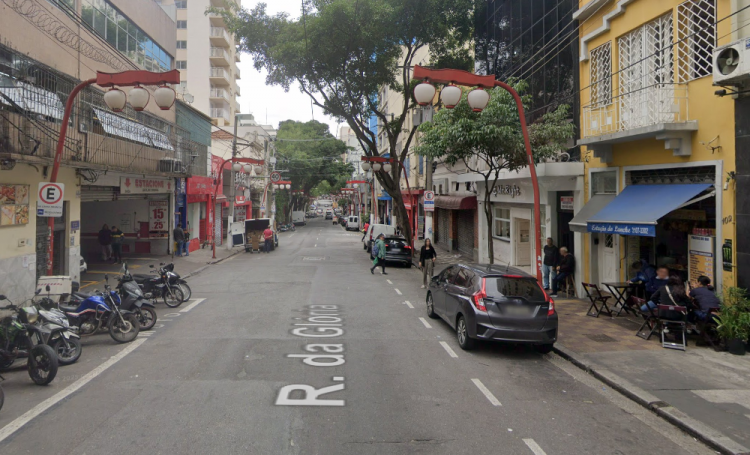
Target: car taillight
[
  {"x": 478, "y": 297},
  {"x": 407, "y": 247},
  {"x": 551, "y": 302}
]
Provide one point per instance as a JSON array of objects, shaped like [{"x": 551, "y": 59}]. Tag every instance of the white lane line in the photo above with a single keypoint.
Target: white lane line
[
  {"x": 316, "y": 245},
  {"x": 408, "y": 303},
  {"x": 489, "y": 395},
  {"x": 426, "y": 324},
  {"x": 389, "y": 281},
  {"x": 448, "y": 349},
  {"x": 195, "y": 303},
  {"x": 534, "y": 447},
  {"x": 397, "y": 291},
  {"x": 32, "y": 413}
]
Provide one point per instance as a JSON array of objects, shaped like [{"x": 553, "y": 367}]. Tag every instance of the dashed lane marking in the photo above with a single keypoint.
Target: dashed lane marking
[
  {"x": 195, "y": 303},
  {"x": 397, "y": 291},
  {"x": 448, "y": 349},
  {"x": 490, "y": 396},
  {"x": 534, "y": 447},
  {"x": 389, "y": 281},
  {"x": 426, "y": 324},
  {"x": 408, "y": 303}
]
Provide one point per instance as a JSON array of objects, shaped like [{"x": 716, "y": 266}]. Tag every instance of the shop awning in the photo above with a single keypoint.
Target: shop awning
[
  {"x": 592, "y": 207},
  {"x": 456, "y": 202},
  {"x": 385, "y": 197},
  {"x": 637, "y": 209}
]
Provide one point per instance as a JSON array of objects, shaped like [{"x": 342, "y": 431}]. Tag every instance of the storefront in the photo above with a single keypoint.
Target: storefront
[
  {"x": 200, "y": 206},
  {"x": 456, "y": 224},
  {"x": 414, "y": 210}
]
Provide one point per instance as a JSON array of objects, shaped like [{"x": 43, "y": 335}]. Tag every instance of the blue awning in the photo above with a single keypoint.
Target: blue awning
[
  {"x": 637, "y": 209},
  {"x": 385, "y": 197}
]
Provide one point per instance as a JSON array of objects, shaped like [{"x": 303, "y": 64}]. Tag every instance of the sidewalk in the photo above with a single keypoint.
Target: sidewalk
[
  {"x": 704, "y": 392},
  {"x": 185, "y": 265}
]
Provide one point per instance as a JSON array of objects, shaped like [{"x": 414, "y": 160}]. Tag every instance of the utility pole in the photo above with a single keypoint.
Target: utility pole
[
  {"x": 233, "y": 186},
  {"x": 427, "y": 117}
]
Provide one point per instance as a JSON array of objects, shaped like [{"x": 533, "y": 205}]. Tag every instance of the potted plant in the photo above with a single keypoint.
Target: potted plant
[{"x": 734, "y": 320}]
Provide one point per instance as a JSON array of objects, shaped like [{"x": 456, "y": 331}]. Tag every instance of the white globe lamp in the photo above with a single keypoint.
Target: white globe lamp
[
  {"x": 165, "y": 97},
  {"x": 424, "y": 93},
  {"x": 451, "y": 96},
  {"x": 387, "y": 167},
  {"x": 139, "y": 97},
  {"x": 116, "y": 99},
  {"x": 478, "y": 99}
]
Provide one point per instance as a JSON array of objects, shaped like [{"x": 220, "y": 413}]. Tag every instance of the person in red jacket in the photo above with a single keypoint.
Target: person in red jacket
[{"x": 268, "y": 238}]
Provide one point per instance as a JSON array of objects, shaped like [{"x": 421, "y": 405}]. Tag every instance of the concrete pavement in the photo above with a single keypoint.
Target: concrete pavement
[{"x": 303, "y": 351}]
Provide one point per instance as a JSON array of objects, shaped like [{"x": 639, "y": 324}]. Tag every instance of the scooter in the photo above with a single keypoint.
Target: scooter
[{"x": 134, "y": 300}]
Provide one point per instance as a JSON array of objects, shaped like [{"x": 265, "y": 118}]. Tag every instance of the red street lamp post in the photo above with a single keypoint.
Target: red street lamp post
[
  {"x": 116, "y": 100},
  {"x": 238, "y": 164},
  {"x": 355, "y": 184},
  {"x": 478, "y": 99},
  {"x": 359, "y": 198}
]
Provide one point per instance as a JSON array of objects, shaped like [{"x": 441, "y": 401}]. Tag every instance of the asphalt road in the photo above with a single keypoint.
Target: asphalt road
[{"x": 236, "y": 373}]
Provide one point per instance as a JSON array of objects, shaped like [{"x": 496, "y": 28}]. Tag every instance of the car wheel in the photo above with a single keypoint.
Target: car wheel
[
  {"x": 431, "y": 307},
  {"x": 462, "y": 334},
  {"x": 543, "y": 348}
]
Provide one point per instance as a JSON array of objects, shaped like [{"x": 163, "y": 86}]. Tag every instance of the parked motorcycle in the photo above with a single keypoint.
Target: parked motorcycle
[
  {"x": 175, "y": 280},
  {"x": 63, "y": 339},
  {"x": 134, "y": 300},
  {"x": 102, "y": 310},
  {"x": 20, "y": 338},
  {"x": 158, "y": 286}
]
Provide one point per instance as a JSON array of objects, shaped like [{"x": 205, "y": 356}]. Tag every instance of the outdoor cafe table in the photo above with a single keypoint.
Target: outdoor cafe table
[{"x": 619, "y": 290}]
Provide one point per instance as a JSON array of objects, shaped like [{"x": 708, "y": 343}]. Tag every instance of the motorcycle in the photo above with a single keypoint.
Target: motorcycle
[
  {"x": 63, "y": 339},
  {"x": 101, "y": 310},
  {"x": 20, "y": 338},
  {"x": 133, "y": 300},
  {"x": 175, "y": 280},
  {"x": 158, "y": 286}
]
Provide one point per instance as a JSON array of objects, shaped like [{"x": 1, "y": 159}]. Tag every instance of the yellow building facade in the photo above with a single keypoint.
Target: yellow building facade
[{"x": 657, "y": 142}]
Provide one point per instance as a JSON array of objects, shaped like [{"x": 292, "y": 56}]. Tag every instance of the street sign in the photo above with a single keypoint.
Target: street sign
[
  {"x": 275, "y": 177},
  {"x": 239, "y": 199},
  {"x": 50, "y": 201},
  {"x": 429, "y": 201}
]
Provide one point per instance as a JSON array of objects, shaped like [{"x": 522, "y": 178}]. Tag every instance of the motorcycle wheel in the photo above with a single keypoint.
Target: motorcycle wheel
[
  {"x": 67, "y": 355},
  {"x": 173, "y": 297},
  {"x": 147, "y": 318},
  {"x": 124, "y": 330},
  {"x": 186, "y": 291},
  {"x": 42, "y": 364}
]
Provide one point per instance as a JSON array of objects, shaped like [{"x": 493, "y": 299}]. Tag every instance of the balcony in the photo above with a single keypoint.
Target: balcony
[
  {"x": 237, "y": 91},
  {"x": 219, "y": 37},
  {"x": 658, "y": 112},
  {"x": 220, "y": 113},
  {"x": 237, "y": 56},
  {"x": 217, "y": 20},
  {"x": 218, "y": 56},
  {"x": 219, "y": 76},
  {"x": 237, "y": 73},
  {"x": 219, "y": 94}
]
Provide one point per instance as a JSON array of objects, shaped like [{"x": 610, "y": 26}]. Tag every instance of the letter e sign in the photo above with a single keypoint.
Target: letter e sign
[{"x": 50, "y": 201}]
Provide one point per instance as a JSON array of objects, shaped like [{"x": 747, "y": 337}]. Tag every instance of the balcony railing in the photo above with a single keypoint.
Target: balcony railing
[
  {"x": 221, "y": 34},
  {"x": 657, "y": 104},
  {"x": 219, "y": 93},
  {"x": 219, "y": 52},
  {"x": 220, "y": 113},
  {"x": 237, "y": 73}
]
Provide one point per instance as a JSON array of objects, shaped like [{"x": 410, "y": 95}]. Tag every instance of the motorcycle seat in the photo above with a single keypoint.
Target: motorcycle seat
[
  {"x": 68, "y": 308},
  {"x": 143, "y": 277},
  {"x": 81, "y": 295}
]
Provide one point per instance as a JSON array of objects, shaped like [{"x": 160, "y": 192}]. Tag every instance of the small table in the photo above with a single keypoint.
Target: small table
[{"x": 618, "y": 290}]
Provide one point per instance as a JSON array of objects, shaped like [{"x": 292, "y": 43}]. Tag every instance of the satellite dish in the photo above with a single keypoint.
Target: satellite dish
[
  {"x": 727, "y": 61},
  {"x": 188, "y": 98}
]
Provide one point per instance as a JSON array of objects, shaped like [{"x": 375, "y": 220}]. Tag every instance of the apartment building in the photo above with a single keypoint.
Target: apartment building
[{"x": 207, "y": 58}]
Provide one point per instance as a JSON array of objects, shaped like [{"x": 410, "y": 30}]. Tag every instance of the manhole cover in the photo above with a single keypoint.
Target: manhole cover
[
  {"x": 313, "y": 258},
  {"x": 601, "y": 338}
]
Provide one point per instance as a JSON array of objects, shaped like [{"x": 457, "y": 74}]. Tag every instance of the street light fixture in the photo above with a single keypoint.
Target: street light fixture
[
  {"x": 478, "y": 99},
  {"x": 248, "y": 168},
  {"x": 365, "y": 166},
  {"x": 237, "y": 167},
  {"x": 139, "y": 98},
  {"x": 115, "y": 99},
  {"x": 376, "y": 167},
  {"x": 451, "y": 96},
  {"x": 165, "y": 97},
  {"x": 424, "y": 93}
]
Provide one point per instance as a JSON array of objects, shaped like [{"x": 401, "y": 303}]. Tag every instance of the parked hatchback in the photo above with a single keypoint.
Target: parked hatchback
[
  {"x": 396, "y": 251},
  {"x": 492, "y": 302},
  {"x": 374, "y": 231}
]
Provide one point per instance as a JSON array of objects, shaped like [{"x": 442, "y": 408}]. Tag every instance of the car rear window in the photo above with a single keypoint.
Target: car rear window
[
  {"x": 396, "y": 243},
  {"x": 526, "y": 288}
]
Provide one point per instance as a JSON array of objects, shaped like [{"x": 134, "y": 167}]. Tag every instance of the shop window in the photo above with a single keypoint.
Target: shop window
[
  {"x": 604, "y": 182},
  {"x": 696, "y": 27},
  {"x": 501, "y": 228},
  {"x": 609, "y": 241}
]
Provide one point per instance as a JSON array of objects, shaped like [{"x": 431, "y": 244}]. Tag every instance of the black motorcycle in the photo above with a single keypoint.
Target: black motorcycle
[
  {"x": 158, "y": 287},
  {"x": 132, "y": 299},
  {"x": 21, "y": 338},
  {"x": 175, "y": 280}
]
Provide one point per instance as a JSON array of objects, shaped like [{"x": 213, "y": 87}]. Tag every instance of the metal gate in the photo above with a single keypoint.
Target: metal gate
[
  {"x": 42, "y": 246},
  {"x": 465, "y": 238},
  {"x": 441, "y": 235}
]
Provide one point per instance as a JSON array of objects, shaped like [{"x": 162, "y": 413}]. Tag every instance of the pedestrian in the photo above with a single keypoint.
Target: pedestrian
[
  {"x": 550, "y": 262},
  {"x": 566, "y": 268},
  {"x": 179, "y": 237},
  {"x": 268, "y": 239},
  {"x": 364, "y": 231},
  {"x": 378, "y": 251},
  {"x": 105, "y": 240},
  {"x": 117, "y": 237},
  {"x": 427, "y": 256}
]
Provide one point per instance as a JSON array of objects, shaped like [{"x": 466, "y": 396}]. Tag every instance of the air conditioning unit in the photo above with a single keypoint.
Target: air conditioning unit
[
  {"x": 170, "y": 165},
  {"x": 731, "y": 63}
]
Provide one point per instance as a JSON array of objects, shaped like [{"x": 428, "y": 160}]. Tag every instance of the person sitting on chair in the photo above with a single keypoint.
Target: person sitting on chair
[
  {"x": 705, "y": 298},
  {"x": 673, "y": 293},
  {"x": 566, "y": 268}
]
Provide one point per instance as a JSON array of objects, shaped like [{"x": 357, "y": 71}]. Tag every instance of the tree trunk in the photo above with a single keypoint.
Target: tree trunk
[{"x": 490, "y": 227}]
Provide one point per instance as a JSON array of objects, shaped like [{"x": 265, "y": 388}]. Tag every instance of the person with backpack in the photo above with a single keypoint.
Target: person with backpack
[{"x": 378, "y": 252}]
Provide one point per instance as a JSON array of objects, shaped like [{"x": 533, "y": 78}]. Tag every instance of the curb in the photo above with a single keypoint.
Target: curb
[
  {"x": 704, "y": 433},
  {"x": 218, "y": 261}
]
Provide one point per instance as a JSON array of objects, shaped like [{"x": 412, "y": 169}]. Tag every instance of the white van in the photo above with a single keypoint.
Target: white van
[
  {"x": 374, "y": 231},
  {"x": 352, "y": 223}
]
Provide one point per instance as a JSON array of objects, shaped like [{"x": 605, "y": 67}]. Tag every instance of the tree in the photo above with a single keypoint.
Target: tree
[
  {"x": 492, "y": 140},
  {"x": 341, "y": 52},
  {"x": 311, "y": 156}
]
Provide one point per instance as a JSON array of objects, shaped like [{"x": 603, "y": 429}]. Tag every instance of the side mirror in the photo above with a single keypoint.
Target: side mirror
[
  {"x": 47, "y": 288},
  {"x": 2, "y": 297},
  {"x": 38, "y": 291},
  {"x": 106, "y": 278},
  {"x": 151, "y": 266}
]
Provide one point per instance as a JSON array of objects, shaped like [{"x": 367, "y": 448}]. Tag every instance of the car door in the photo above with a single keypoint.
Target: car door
[
  {"x": 439, "y": 289},
  {"x": 455, "y": 293}
]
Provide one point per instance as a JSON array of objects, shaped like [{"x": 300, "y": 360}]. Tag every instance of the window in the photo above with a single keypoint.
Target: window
[
  {"x": 696, "y": 28},
  {"x": 181, "y": 4},
  {"x": 601, "y": 75},
  {"x": 181, "y": 24},
  {"x": 604, "y": 182},
  {"x": 181, "y": 44},
  {"x": 501, "y": 223},
  {"x": 181, "y": 64},
  {"x": 421, "y": 165},
  {"x": 463, "y": 279}
]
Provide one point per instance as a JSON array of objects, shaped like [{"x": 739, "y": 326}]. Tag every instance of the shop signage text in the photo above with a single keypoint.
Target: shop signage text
[
  {"x": 133, "y": 185},
  {"x": 509, "y": 190},
  {"x": 429, "y": 201},
  {"x": 643, "y": 230},
  {"x": 50, "y": 203},
  {"x": 157, "y": 216},
  {"x": 566, "y": 203}
]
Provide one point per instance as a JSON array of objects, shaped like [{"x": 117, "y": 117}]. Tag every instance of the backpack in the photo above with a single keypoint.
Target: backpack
[{"x": 375, "y": 249}]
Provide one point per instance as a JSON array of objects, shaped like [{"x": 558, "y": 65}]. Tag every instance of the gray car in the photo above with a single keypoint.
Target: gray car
[{"x": 492, "y": 302}]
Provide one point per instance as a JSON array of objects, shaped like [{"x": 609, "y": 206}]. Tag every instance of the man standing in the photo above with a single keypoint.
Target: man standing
[
  {"x": 378, "y": 250},
  {"x": 551, "y": 258},
  {"x": 179, "y": 237},
  {"x": 564, "y": 270},
  {"x": 105, "y": 240},
  {"x": 268, "y": 239},
  {"x": 117, "y": 236}
]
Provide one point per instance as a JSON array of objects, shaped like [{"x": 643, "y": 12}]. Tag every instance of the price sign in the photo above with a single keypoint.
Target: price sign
[{"x": 157, "y": 215}]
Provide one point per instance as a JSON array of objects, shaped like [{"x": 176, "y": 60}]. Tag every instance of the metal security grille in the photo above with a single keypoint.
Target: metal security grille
[
  {"x": 647, "y": 93},
  {"x": 601, "y": 75},
  {"x": 697, "y": 174},
  {"x": 441, "y": 236},
  {"x": 696, "y": 35},
  {"x": 42, "y": 246},
  {"x": 466, "y": 232}
]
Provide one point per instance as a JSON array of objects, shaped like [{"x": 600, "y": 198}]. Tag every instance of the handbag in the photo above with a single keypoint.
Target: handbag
[{"x": 672, "y": 315}]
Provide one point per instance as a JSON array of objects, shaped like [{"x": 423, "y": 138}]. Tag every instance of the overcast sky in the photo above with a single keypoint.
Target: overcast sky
[{"x": 270, "y": 104}]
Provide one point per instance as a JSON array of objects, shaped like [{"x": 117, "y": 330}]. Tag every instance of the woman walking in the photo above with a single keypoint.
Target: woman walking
[{"x": 427, "y": 261}]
